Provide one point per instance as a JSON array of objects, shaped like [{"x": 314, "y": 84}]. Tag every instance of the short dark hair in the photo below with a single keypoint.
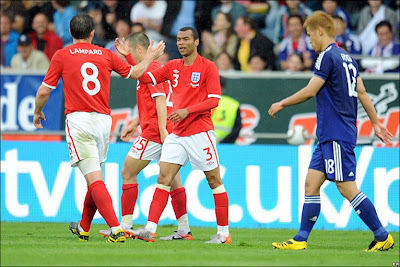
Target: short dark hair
[
  {"x": 338, "y": 17},
  {"x": 138, "y": 38},
  {"x": 81, "y": 26},
  {"x": 63, "y": 3},
  {"x": 249, "y": 21},
  {"x": 296, "y": 16},
  {"x": 382, "y": 24},
  {"x": 193, "y": 30}
]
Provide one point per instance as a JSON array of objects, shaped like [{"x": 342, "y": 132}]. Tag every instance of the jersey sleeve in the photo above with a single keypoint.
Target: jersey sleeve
[
  {"x": 54, "y": 72},
  {"x": 157, "y": 76},
  {"x": 120, "y": 66},
  {"x": 158, "y": 90},
  {"x": 213, "y": 82},
  {"x": 323, "y": 66}
]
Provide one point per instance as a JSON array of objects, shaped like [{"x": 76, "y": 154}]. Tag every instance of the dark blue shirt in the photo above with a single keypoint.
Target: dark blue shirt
[{"x": 336, "y": 101}]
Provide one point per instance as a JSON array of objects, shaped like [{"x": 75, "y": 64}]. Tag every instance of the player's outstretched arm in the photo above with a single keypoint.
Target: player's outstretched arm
[
  {"x": 381, "y": 131},
  {"x": 304, "y": 94},
  {"x": 121, "y": 46},
  {"x": 129, "y": 130},
  {"x": 152, "y": 53},
  {"x": 42, "y": 96}
]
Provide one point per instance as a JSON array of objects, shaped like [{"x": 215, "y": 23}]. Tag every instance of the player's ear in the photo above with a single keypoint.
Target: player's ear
[
  {"x": 92, "y": 34},
  {"x": 196, "y": 42}
]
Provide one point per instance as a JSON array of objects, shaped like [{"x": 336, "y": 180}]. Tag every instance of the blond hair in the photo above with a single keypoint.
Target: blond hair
[{"x": 320, "y": 19}]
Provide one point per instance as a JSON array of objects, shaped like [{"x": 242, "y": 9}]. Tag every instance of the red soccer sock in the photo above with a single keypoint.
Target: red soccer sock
[
  {"x": 89, "y": 209},
  {"x": 221, "y": 208},
  {"x": 104, "y": 203},
  {"x": 128, "y": 198},
  {"x": 158, "y": 204},
  {"x": 178, "y": 200}
]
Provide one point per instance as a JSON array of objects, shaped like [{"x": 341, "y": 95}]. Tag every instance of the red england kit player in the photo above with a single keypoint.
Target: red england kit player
[
  {"x": 153, "y": 102},
  {"x": 86, "y": 70},
  {"x": 196, "y": 90}
]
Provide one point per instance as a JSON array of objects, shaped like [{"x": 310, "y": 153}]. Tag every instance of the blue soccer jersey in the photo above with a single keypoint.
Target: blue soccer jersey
[{"x": 336, "y": 102}]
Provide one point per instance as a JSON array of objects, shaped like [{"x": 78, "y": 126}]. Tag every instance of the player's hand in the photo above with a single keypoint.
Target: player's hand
[
  {"x": 37, "y": 118},
  {"x": 163, "y": 134},
  {"x": 155, "y": 52},
  {"x": 121, "y": 46},
  {"x": 275, "y": 108},
  {"x": 178, "y": 115},
  {"x": 128, "y": 132},
  {"x": 383, "y": 133}
]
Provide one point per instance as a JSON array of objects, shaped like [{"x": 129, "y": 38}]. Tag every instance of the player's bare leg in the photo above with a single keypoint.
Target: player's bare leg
[
  {"x": 366, "y": 210},
  {"x": 311, "y": 209},
  {"x": 178, "y": 200},
  {"x": 221, "y": 207},
  {"x": 160, "y": 198}
]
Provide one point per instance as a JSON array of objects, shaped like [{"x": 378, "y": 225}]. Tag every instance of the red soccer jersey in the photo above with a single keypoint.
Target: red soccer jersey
[
  {"x": 148, "y": 118},
  {"x": 191, "y": 85},
  {"x": 85, "y": 70}
]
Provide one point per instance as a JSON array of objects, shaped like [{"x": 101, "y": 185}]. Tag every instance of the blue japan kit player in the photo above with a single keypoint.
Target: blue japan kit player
[{"x": 336, "y": 84}]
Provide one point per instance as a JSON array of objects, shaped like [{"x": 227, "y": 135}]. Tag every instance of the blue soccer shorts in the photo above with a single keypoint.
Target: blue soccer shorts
[{"x": 336, "y": 159}]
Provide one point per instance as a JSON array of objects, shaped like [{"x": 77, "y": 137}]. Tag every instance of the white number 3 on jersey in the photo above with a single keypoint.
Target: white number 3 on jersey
[{"x": 90, "y": 78}]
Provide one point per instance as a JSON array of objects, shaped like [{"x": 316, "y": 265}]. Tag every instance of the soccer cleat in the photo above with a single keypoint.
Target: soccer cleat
[
  {"x": 118, "y": 237},
  {"x": 178, "y": 236},
  {"x": 74, "y": 228},
  {"x": 144, "y": 234},
  {"x": 128, "y": 233},
  {"x": 376, "y": 246},
  {"x": 219, "y": 239},
  {"x": 291, "y": 244}
]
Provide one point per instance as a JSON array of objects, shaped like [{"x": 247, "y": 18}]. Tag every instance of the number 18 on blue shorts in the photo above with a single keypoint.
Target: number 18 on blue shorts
[{"x": 336, "y": 159}]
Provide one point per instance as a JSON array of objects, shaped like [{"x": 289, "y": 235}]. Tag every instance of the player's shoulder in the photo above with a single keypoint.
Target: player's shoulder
[
  {"x": 205, "y": 63},
  {"x": 155, "y": 64}
]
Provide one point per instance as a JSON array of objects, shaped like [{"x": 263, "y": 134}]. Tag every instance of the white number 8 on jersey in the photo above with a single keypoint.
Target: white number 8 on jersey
[{"x": 90, "y": 78}]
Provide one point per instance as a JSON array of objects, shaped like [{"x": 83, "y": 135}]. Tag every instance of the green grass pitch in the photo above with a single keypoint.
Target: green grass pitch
[{"x": 51, "y": 244}]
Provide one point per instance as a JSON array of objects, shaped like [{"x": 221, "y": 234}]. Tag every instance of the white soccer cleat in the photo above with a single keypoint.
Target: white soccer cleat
[
  {"x": 144, "y": 234},
  {"x": 178, "y": 236},
  {"x": 219, "y": 239}
]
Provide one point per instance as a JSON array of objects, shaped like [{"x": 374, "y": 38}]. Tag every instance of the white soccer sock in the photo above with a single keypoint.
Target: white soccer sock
[
  {"x": 151, "y": 226},
  {"x": 80, "y": 228},
  {"x": 115, "y": 229},
  {"x": 183, "y": 224},
  {"x": 127, "y": 221},
  {"x": 223, "y": 230}
]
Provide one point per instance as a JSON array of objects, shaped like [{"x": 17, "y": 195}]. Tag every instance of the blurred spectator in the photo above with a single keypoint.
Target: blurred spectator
[
  {"x": 297, "y": 42},
  {"x": 346, "y": 40},
  {"x": 231, "y": 7},
  {"x": 19, "y": 21},
  {"x": 164, "y": 58},
  {"x": 295, "y": 63},
  {"x": 27, "y": 57},
  {"x": 38, "y": 6},
  {"x": 293, "y": 7},
  {"x": 12, "y": 7},
  {"x": 331, "y": 7},
  {"x": 272, "y": 22},
  {"x": 222, "y": 38},
  {"x": 43, "y": 39},
  {"x": 137, "y": 27},
  {"x": 112, "y": 11},
  {"x": 9, "y": 39},
  {"x": 226, "y": 117},
  {"x": 149, "y": 13},
  {"x": 64, "y": 13},
  {"x": 123, "y": 29},
  {"x": 370, "y": 16},
  {"x": 257, "y": 63},
  {"x": 387, "y": 46},
  {"x": 257, "y": 10},
  {"x": 94, "y": 10},
  {"x": 224, "y": 62},
  {"x": 251, "y": 43},
  {"x": 196, "y": 14}
]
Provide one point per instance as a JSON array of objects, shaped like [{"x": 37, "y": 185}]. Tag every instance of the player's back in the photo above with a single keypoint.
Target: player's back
[
  {"x": 336, "y": 102},
  {"x": 85, "y": 70}
]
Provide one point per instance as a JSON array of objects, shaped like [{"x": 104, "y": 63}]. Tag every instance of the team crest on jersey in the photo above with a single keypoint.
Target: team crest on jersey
[
  {"x": 176, "y": 71},
  {"x": 195, "y": 77}
]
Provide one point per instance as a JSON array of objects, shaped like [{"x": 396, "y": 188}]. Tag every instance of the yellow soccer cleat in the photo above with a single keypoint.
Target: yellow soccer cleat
[
  {"x": 376, "y": 246},
  {"x": 118, "y": 237},
  {"x": 74, "y": 228},
  {"x": 291, "y": 244}
]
